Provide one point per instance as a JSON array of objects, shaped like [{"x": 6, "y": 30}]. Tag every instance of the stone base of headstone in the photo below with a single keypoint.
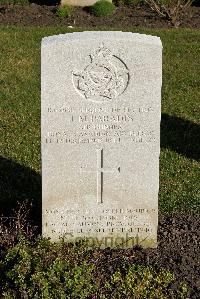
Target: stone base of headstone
[{"x": 79, "y": 2}]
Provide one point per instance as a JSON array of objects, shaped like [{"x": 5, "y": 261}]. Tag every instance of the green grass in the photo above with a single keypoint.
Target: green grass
[{"x": 20, "y": 107}]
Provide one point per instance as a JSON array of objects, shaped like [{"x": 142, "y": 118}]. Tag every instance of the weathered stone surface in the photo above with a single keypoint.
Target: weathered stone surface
[
  {"x": 101, "y": 94},
  {"x": 79, "y": 2}
]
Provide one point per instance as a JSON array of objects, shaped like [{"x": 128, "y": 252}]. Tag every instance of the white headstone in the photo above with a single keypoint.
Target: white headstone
[
  {"x": 101, "y": 98},
  {"x": 79, "y": 2}
]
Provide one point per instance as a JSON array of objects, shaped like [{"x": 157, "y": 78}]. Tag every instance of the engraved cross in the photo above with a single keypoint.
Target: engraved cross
[{"x": 99, "y": 172}]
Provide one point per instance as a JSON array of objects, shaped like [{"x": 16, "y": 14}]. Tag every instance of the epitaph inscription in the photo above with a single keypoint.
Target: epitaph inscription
[{"x": 101, "y": 137}]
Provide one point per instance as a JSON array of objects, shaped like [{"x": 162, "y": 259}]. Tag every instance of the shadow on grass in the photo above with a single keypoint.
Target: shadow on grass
[
  {"x": 181, "y": 136},
  {"x": 17, "y": 184}
]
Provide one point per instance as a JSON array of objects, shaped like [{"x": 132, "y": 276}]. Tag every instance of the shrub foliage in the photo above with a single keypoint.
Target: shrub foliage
[
  {"x": 33, "y": 267},
  {"x": 102, "y": 8},
  {"x": 172, "y": 10},
  {"x": 64, "y": 11},
  {"x": 41, "y": 269}
]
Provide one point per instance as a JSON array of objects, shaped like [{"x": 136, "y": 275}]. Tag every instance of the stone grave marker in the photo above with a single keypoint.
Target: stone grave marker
[
  {"x": 79, "y": 2},
  {"x": 100, "y": 130}
]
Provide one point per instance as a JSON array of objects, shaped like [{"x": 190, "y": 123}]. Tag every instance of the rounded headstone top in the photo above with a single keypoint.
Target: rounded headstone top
[{"x": 116, "y": 35}]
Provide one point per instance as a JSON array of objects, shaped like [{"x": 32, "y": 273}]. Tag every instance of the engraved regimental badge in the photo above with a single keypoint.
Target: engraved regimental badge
[{"x": 104, "y": 78}]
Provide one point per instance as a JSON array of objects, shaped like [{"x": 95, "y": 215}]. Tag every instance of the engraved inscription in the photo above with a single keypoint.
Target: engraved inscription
[
  {"x": 98, "y": 125},
  {"x": 88, "y": 136},
  {"x": 108, "y": 221},
  {"x": 104, "y": 78}
]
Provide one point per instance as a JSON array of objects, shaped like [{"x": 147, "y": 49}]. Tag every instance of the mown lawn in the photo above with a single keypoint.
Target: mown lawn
[{"x": 180, "y": 128}]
